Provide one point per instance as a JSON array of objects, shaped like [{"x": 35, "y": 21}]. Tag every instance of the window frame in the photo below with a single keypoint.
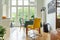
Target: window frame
[{"x": 22, "y": 7}]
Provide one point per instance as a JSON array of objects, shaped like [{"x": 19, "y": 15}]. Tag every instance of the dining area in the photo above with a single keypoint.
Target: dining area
[
  {"x": 31, "y": 30},
  {"x": 17, "y": 33},
  {"x": 29, "y": 19}
]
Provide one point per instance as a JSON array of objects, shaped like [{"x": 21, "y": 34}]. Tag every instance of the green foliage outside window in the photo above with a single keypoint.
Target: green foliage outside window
[{"x": 24, "y": 14}]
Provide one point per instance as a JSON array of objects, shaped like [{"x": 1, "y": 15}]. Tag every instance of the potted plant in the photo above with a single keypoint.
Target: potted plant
[
  {"x": 2, "y": 31},
  {"x": 32, "y": 16}
]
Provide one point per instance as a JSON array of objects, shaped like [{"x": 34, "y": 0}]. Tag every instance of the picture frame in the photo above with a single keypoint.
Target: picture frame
[{"x": 52, "y": 6}]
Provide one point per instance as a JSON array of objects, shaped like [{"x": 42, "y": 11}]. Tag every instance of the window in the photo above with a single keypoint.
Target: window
[
  {"x": 22, "y": 9},
  {"x": 13, "y": 2},
  {"x": 13, "y": 13}
]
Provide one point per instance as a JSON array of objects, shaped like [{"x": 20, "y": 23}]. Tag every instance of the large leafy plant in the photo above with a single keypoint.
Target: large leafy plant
[{"x": 2, "y": 31}]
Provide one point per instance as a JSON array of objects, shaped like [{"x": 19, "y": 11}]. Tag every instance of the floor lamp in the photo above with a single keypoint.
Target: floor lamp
[{"x": 43, "y": 15}]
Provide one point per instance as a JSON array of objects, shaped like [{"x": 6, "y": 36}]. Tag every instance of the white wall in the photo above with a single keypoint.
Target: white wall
[
  {"x": 0, "y": 9},
  {"x": 3, "y": 7},
  {"x": 50, "y": 18},
  {"x": 39, "y": 6}
]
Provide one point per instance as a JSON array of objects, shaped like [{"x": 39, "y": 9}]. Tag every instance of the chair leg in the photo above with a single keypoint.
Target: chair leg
[
  {"x": 26, "y": 30},
  {"x": 39, "y": 31}
]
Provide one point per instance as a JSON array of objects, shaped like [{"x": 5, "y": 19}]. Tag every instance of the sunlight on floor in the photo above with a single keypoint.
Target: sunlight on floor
[{"x": 17, "y": 34}]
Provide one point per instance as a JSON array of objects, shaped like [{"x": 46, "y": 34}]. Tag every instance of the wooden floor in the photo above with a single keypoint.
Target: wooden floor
[
  {"x": 45, "y": 36},
  {"x": 42, "y": 36},
  {"x": 55, "y": 35},
  {"x": 17, "y": 33}
]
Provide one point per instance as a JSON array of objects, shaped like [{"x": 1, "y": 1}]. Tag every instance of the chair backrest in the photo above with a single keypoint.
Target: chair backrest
[
  {"x": 28, "y": 23},
  {"x": 36, "y": 23}
]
